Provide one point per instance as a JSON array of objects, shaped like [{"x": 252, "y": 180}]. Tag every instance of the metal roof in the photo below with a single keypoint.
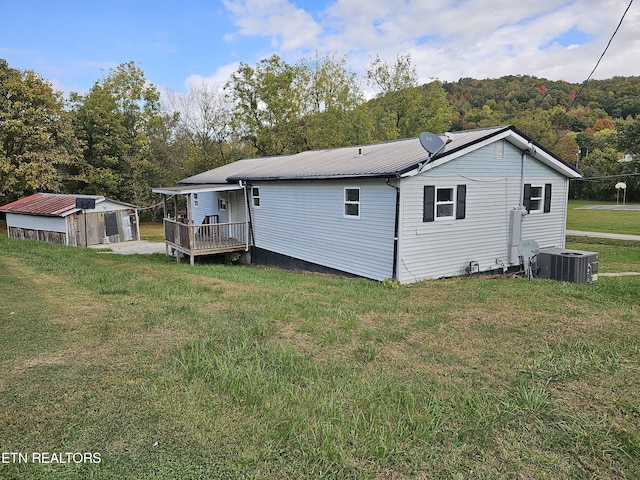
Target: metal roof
[
  {"x": 49, "y": 204},
  {"x": 360, "y": 161},
  {"x": 379, "y": 160}
]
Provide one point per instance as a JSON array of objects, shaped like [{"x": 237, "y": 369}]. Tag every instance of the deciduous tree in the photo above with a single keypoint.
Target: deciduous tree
[
  {"x": 204, "y": 120},
  {"x": 36, "y": 139},
  {"x": 333, "y": 93},
  {"x": 268, "y": 106},
  {"x": 114, "y": 121},
  {"x": 403, "y": 109}
]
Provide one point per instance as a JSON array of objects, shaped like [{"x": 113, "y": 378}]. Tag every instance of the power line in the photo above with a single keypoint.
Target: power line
[
  {"x": 585, "y": 179},
  {"x": 601, "y": 56}
]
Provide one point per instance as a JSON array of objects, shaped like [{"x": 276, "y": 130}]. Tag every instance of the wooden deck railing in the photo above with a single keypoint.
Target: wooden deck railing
[{"x": 206, "y": 238}]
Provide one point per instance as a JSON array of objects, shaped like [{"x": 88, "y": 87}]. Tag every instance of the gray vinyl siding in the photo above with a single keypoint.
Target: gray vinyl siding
[
  {"x": 237, "y": 206},
  {"x": 444, "y": 248},
  {"x": 207, "y": 205},
  {"x": 549, "y": 229},
  {"x": 305, "y": 220}
]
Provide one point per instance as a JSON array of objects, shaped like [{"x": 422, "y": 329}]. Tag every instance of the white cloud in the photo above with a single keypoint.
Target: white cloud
[
  {"x": 217, "y": 81},
  {"x": 453, "y": 39},
  {"x": 219, "y": 78},
  {"x": 290, "y": 27}
]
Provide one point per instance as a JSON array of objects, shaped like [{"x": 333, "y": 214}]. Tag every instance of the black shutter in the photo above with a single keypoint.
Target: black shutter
[
  {"x": 428, "y": 207},
  {"x": 527, "y": 196},
  {"x": 547, "y": 198},
  {"x": 461, "y": 202}
]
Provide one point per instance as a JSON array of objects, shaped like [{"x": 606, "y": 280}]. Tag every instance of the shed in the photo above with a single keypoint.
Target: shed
[
  {"x": 77, "y": 220},
  {"x": 392, "y": 210}
]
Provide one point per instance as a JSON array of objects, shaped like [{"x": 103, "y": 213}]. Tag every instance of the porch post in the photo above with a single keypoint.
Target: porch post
[
  {"x": 246, "y": 215},
  {"x": 191, "y": 230},
  {"x": 165, "y": 214}
]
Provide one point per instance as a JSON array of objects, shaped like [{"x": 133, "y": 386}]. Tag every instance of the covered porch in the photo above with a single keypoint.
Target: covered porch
[{"x": 183, "y": 235}]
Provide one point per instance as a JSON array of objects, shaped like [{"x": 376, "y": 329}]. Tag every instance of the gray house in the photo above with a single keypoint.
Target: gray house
[{"x": 392, "y": 210}]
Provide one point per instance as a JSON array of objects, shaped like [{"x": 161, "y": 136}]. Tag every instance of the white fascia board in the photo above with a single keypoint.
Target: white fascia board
[
  {"x": 513, "y": 138},
  {"x": 543, "y": 157},
  {"x": 454, "y": 155}
]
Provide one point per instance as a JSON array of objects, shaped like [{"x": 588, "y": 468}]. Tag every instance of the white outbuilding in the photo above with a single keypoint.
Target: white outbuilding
[{"x": 77, "y": 220}]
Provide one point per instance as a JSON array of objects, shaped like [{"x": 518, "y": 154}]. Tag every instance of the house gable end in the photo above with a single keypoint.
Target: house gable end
[{"x": 506, "y": 137}]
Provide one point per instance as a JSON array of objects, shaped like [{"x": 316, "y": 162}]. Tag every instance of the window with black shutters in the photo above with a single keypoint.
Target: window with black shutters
[
  {"x": 537, "y": 198},
  {"x": 441, "y": 203}
]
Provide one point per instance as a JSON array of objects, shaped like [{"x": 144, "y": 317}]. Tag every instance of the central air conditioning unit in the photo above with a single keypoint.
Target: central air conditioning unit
[{"x": 568, "y": 265}]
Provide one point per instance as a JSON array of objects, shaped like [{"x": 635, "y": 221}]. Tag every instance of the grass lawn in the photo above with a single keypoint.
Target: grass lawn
[
  {"x": 608, "y": 221},
  {"x": 152, "y": 231},
  {"x": 161, "y": 370}
]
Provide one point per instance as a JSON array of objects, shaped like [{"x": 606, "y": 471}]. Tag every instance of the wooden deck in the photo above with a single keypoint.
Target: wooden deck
[{"x": 205, "y": 239}]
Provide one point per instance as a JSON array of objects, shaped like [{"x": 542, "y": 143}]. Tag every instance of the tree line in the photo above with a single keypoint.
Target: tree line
[{"x": 121, "y": 138}]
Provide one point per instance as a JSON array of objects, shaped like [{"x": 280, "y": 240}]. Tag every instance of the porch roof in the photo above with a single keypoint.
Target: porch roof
[{"x": 187, "y": 189}]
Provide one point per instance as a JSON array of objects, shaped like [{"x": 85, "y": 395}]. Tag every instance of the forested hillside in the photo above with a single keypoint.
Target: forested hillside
[
  {"x": 123, "y": 137},
  {"x": 595, "y": 125}
]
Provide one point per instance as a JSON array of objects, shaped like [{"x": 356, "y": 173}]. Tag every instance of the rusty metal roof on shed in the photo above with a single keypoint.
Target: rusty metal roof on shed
[
  {"x": 378, "y": 160},
  {"x": 48, "y": 204}
]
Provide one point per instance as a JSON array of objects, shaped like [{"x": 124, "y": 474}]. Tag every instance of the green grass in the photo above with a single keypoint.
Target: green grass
[
  {"x": 169, "y": 371},
  {"x": 614, "y": 255},
  {"x": 215, "y": 371},
  {"x": 608, "y": 221},
  {"x": 152, "y": 231}
]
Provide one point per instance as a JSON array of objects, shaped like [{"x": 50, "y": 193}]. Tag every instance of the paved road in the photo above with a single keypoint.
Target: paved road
[
  {"x": 616, "y": 236},
  {"x": 609, "y": 207}
]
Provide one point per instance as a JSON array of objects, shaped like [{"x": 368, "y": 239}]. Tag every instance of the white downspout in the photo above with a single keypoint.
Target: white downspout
[
  {"x": 518, "y": 213},
  {"x": 246, "y": 213},
  {"x": 522, "y": 172}
]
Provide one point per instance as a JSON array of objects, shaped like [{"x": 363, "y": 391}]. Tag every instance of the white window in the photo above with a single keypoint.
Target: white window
[
  {"x": 535, "y": 200},
  {"x": 352, "y": 202},
  {"x": 222, "y": 204},
  {"x": 195, "y": 199},
  {"x": 255, "y": 196},
  {"x": 444, "y": 203}
]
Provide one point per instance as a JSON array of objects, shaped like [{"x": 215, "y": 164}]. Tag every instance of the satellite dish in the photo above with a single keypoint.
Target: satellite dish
[
  {"x": 431, "y": 142},
  {"x": 529, "y": 249}
]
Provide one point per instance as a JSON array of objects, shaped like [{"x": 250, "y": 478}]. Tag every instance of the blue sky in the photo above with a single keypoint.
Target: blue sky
[{"x": 73, "y": 43}]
